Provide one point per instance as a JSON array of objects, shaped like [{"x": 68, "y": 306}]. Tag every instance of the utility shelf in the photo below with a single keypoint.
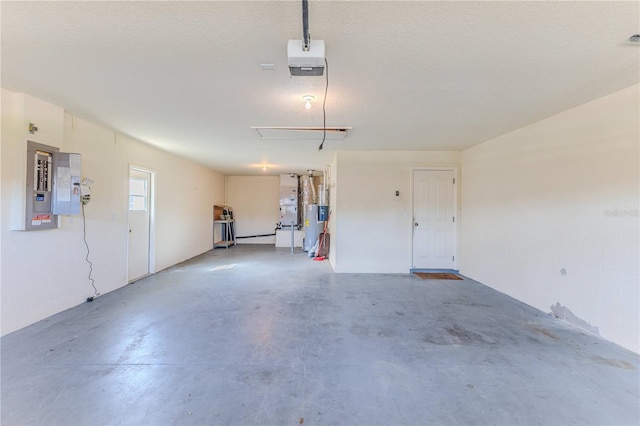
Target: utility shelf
[{"x": 227, "y": 231}]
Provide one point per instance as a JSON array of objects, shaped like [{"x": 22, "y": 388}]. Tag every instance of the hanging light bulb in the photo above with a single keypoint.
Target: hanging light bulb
[{"x": 308, "y": 99}]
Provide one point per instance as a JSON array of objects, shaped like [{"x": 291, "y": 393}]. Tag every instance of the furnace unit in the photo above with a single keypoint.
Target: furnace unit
[{"x": 289, "y": 211}]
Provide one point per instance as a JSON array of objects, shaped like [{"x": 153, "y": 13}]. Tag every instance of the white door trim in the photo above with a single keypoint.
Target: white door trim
[
  {"x": 152, "y": 216},
  {"x": 455, "y": 208}
]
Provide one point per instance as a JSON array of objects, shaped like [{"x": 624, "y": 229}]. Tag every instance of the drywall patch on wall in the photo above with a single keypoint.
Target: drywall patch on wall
[
  {"x": 561, "y": 194},
  {"x": 565, "y": 313}
]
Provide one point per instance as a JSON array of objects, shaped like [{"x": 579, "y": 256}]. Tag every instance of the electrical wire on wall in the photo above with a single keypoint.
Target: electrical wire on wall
[
  {"x": 324, "y": 102},
  {"x": 84, "y": 237}
]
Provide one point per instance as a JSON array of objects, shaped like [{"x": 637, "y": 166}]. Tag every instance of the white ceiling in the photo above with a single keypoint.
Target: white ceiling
[{"x": 424, "y": 75}]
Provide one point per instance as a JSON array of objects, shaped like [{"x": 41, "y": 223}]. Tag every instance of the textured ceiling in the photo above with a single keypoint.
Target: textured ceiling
[{"x": 424, "y": 75}]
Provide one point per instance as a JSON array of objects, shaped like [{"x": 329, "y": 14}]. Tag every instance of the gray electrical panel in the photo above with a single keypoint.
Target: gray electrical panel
[
  {"x": 67, "y": 192},
  {"x": 41, "y": 163},
  {"x": 53, "y": 186}
]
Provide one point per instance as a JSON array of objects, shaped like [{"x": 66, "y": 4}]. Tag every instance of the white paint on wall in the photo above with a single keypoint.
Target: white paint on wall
[
  {"x": 44, "y": 272},
  {"x": 333, "y": 212},
  {"x": 255, "y": 203},
  {"x": 550, "y": 214},
  {"x": 373, "y": 228},
  {"x": 185, "y": 193},
  {"x": 20, "y": 111}
]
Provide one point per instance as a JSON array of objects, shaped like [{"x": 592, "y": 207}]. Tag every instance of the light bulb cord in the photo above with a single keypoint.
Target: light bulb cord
[{"x": 324, "y": 102}]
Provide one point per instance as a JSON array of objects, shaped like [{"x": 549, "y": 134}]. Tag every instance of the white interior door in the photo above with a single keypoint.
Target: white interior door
[
  {"x": 434, "y": 225},
  {"x": 139, "y": 223}
]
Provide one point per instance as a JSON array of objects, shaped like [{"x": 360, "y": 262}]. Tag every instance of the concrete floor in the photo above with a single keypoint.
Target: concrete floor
[{"x": 256, "y": 335}]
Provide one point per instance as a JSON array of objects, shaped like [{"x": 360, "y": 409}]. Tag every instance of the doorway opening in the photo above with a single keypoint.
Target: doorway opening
[
  {"x": 434, "y": 219},
  {"x": 140, "y": 246}
]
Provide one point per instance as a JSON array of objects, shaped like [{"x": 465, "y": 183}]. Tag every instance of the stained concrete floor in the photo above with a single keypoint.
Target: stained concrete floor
[{"x": 256, "y": 335}]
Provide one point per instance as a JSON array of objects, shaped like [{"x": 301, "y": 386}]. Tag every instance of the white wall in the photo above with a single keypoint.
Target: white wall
[
  {"x": 332, "y": 183},
  {"x": 185, "y": 193},
  {"x": 256, "y": 209},
  {"x": 44, "y": 272},
  {"x": 550, "y": 215},
  {"x": 372, "y": 230}
]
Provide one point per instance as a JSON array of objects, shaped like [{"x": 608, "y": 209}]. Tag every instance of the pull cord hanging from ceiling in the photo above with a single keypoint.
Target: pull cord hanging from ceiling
[
  {"x": 305, "y": 47},
  {"x": 324, "y": 102}
]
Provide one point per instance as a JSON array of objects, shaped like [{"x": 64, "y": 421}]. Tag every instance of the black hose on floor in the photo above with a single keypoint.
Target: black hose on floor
[{"x": 256, "y": 236}]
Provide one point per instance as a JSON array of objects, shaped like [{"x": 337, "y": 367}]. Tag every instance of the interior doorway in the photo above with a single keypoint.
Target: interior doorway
[
  {"x": 140, "y": 218},
  {"x": 434, "y": 227}
]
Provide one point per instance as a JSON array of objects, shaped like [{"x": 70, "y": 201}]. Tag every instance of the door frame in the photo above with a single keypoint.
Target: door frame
[
  {"x": 456, "y": 213},
  {"x": 152, "y": 217}
]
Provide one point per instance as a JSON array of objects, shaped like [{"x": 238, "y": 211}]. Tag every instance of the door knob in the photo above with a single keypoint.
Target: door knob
[{"x": 415, "y": 224}]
